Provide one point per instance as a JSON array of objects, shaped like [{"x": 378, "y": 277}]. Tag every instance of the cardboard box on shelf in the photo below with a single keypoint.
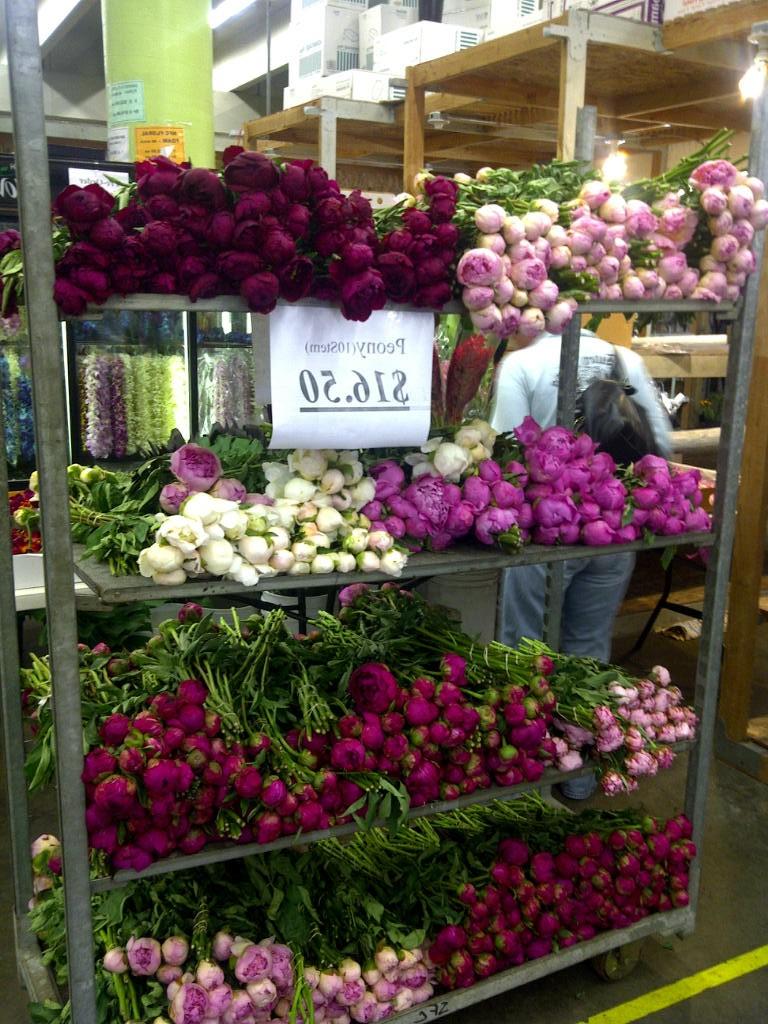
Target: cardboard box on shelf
[
  {"x": 414, "y": 44},
  {"x": 353, "y": 85},
  {"x": 300, "y": 7},
  {"x": 300, "y": 92},
  {"x": 511, "y": 15},
  {"x": 472, "y": 13},
  {"x": 327, "y": 40},
  {"x": 673, "y": 9},
  {"x": 378, "y": 21}
]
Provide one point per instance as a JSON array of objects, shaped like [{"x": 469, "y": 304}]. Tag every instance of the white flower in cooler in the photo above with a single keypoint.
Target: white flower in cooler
[
  {"x": 234, "y": 524},
  {"x": 362, "y": 492},
  {"x": 299, "y": 489},
  {"x": 170, "y": 579},
  {"x": 380, "y": 541},
  {"x": 450, "y": 460},
  {"x": 183, "y": 533},
  {"x": 308, "y": 463},
  {"x": 357, "y": 540},
  {"x": 368, "y": 561},
  {"x": 255, "y": 550},
  {"x": 322, "y": 563},
  {"x": 202, "y": 507},
  {"x": 216, "y": 556},
  {"x": 393, "y": 562},
  {"x": 159, "y": 558},
  {"x": 277, "y": 474}
]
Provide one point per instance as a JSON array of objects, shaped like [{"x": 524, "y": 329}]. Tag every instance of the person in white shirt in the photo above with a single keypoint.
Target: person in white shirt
[{"x": 526, "y": 385}]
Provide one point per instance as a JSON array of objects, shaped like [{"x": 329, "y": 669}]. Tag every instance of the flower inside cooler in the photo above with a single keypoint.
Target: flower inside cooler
[
  {"x": 128, "y": 383},
  {"x": 225, "y": 370},
  {"x": 16, "y": 390}
]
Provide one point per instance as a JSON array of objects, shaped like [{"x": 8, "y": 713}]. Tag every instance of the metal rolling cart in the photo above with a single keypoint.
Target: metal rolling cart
[{"x": 51, "y": 425}]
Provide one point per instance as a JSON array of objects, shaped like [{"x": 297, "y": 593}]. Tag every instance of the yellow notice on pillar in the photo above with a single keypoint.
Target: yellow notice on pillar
[{"x": 160, "y": 140}]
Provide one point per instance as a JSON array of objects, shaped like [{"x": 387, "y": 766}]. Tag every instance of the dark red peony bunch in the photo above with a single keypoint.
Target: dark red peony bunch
[
  {"x": 417, "y": 259},
  {"x": 261, "y": 230}
]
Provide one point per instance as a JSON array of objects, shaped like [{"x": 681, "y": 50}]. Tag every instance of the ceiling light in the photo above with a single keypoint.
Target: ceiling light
[
  {"x": 227, "y": 9},
  {"x": 615, "y": 166},
  {"x": 752, "y": 82}
]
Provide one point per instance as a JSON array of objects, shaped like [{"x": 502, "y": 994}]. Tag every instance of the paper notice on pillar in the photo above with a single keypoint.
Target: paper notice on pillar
[
  {"x": 125, "y": 102},
  {"x": 118, "y": 144},
  {"x": 340, "y": 384},
  {"x": 160, "y": 140}
]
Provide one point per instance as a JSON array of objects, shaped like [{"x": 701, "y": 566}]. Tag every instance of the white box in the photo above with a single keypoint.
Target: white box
[
  {"x": 327, "y": 41},
  {"x": 472, "y": 13},
  {"x": 300, "y": 7},
  {"x": 512, "y": 15},
  {"x": 681, "y": 8},
  {"x": 376, "y": 22},
  {"x": 414, "y": 44},
  {"x": 300, "y": 92},
  {"x": 353, "y": 85}
]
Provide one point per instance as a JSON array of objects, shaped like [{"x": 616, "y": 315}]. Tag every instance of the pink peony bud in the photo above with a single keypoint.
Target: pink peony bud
[
  {"x": 490, "y": 218},
  {"x": 144, "y": 956}
]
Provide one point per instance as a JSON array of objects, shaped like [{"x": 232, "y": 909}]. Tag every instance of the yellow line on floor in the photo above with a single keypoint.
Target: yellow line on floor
[{"x": 686, "y": 988}]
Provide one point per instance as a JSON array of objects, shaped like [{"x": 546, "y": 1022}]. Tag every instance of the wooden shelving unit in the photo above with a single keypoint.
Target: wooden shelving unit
[{"x": 512, "y": 101}]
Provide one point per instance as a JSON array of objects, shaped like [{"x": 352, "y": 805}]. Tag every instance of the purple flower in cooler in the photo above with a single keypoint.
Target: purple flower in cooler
[
  {"x": 372, "y": 688},
  {"x": 199, "y": 468},
  {"x": 189, "y": 1005},
  {"x": 144, "y": 956}
]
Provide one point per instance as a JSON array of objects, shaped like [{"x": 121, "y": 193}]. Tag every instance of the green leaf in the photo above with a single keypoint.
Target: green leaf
[{"x": 667, "y": 556}]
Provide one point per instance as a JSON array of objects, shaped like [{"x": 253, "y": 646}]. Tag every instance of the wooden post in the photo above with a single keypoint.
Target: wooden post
[
  {"x": 749, "y": 544},
  {"x": 413, "y": 132},
  {"x": 573, "y": 76}
]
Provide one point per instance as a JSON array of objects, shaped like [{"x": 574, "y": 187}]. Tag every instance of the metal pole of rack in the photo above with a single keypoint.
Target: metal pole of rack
[
  {"x": 726, "y": 493},
  {"x": 49, "y": 403},
  {"x": 10, "y": 702},
  {"x": 586, "y": 123}
]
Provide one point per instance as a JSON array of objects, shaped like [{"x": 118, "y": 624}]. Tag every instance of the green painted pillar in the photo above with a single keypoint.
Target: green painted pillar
[{"x": 158, "y": 57}]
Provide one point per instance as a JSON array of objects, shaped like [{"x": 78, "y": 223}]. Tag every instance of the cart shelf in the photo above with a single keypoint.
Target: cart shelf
[{"x": 121, "y": 589}]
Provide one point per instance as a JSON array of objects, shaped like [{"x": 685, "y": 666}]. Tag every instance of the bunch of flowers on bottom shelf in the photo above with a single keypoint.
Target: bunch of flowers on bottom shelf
[
  {"x": 630, "y": 724},
  {"x": 307, "y": 522},
  {"x": 361, "y": 930},
  {"x": 550, "y": 889},
  {"x": 245, "y": 982}
]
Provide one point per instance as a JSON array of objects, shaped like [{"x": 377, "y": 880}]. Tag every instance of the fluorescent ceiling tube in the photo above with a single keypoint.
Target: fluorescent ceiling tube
[{"x": 226, "y": 10}]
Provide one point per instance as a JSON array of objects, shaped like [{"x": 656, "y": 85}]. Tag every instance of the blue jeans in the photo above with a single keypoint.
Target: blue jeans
[{"x": 594, "y": 589}]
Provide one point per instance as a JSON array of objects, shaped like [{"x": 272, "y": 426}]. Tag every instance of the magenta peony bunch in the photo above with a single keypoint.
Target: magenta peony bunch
[
  {"x": 536, "y": 902},
  {"x": 576, "y": 497}
]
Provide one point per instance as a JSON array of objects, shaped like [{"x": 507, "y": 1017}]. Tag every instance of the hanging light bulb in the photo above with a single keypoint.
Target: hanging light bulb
[
  {"x": 752, "y": 82},
  {"x": 615, "y": 166}
]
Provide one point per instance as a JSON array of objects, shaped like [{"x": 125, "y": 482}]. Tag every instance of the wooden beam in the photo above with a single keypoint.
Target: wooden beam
[
  {"x": 705, "y": 116},
  {"x": 737, "y": 677},
  {"x": 573, "y": 82},
  {"x": 709, "y": 90},
  {"x": 729, "y": 21},
  {"x": 413, "y": 125},
  {"x": 722, "y": 53},
  {"x": 484, "y": 55},
  {"x": 263, "y": 127}
]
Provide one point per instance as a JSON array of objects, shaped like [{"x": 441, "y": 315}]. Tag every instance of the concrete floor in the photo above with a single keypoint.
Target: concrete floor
[{"x": 733, "y": 913}]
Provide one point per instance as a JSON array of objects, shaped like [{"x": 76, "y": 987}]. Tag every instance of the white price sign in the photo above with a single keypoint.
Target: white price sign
[{"x": 340, "y": 384}]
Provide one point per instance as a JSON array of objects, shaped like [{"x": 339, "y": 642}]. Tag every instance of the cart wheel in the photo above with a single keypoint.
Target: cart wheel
[{"x": 618, "y": 963}]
